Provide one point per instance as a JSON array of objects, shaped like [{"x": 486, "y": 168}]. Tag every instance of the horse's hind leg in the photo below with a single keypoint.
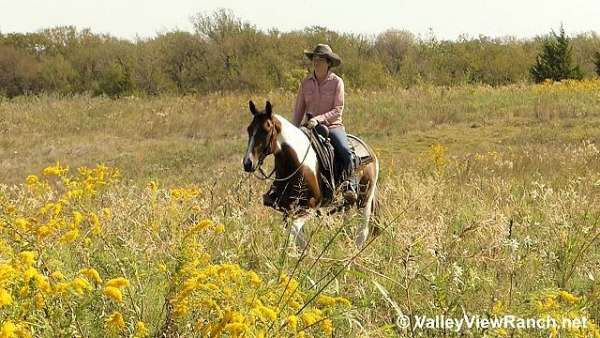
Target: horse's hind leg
[
  {"x": 296, "y": 231},
  {"x": 367, "y": 202}
]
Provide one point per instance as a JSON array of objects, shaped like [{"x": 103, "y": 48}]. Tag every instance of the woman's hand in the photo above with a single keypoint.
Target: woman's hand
[{"x": 312, "y": 123}]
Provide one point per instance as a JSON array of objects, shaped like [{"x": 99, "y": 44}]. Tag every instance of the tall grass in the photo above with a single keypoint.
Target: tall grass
[{"x": 490, "y": 197}]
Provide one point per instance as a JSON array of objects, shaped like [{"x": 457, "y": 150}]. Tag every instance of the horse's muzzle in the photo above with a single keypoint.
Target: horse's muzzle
[{"x": 248, "y": 165}]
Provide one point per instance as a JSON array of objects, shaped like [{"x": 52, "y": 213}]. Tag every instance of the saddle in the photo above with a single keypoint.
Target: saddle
[{"x": 321, "y": 143}]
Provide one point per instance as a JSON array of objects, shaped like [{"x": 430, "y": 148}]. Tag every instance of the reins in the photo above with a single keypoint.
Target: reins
[{"x": 264, "y": 154}]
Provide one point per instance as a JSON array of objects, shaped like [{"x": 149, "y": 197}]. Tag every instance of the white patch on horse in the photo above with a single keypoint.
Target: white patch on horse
[
  {"x": 298, "y": 141},
  {"x": 251, "y": 146}
]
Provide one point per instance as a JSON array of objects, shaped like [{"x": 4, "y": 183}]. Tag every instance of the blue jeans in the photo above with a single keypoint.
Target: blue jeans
[{"x": 344, "y": 165}]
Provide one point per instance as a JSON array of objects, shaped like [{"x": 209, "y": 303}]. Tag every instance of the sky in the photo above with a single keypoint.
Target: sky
[{"x": 447, "y": 19}]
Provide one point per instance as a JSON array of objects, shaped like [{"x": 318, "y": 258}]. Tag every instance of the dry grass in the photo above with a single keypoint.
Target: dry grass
[{"x": 502, "y": 217}]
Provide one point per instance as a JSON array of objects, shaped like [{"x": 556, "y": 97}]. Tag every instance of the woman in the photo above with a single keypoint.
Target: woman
[{"x": 321, "y": 100}]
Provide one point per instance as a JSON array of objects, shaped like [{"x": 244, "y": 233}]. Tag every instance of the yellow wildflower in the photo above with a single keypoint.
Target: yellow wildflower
[
  {"x": 220, "y": 228},
  {"x": 254, "y": 278},
  {"x": 325, "y": 300},
  {"x": 77, "y": 218},
  {"x": 41, "y": 282},
  {"x": 32, "y": 180},
  {"x": 293, "y": 322},
  {"x": 106, "y": 213},
  {"x": 22, "y": 223},
  {"x": 39, "y": 301},
  {"x": 113, "y": 293},
  {"x": 80, "y": 285},
  {"x": 153, "y": 186},
  {"x": 55, "y": 170},
  {"x": 115, "y": 321},
  {"x": 265, "y": 313},
  {"x": 327, "y": 327},
  {"x": 30, "y": 273},
  {"x": 70, "y": 236},
  {"x": 61, "y": 288},
  {"x": 568, "y": 297},
  {"x": 202, "y": 225},
  {"x": 95, "y": 223},
  {"x": 141, "y": 330},
  {"x": 236, "y": 329},
  {"x": 8, "y": 330},
  {"x": 118, "y": 282},
  {"x": 92, "y": 275},
  {"x": 310, "y": 317},
  {"x": 57, "y": 275},
  {"x": 24, "y": 292},
  {"x": 5, "y": 298},
  {"x": 43, "y": 231},
  {"x": 6, "y": 271}
]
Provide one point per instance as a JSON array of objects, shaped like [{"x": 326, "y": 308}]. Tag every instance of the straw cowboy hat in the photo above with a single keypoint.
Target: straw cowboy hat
[{"x": 324, "y": 51}]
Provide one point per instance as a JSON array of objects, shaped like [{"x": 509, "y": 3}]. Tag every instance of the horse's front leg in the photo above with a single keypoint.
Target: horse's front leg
[{"x": 296, "y": 232}]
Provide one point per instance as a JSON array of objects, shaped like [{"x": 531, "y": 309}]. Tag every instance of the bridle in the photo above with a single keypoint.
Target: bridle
[{"x": 267, "y": 151}]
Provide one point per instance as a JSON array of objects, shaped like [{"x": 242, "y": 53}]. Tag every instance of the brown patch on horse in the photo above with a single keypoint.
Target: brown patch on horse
[
  {"x": 302, "y": 189},
  {"x": 366, "y": 177}
]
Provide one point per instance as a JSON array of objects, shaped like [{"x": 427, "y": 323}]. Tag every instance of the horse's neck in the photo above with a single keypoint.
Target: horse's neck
[{"x": 292, "y": 142}]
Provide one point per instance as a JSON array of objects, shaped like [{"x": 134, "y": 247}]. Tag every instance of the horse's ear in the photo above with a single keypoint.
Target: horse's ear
[
  {"x": 252, "y": 107},
  {"x": 269, "y": 109}
]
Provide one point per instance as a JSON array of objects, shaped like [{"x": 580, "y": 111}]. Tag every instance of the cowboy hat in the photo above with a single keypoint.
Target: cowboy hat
[{"x": 324, "y": 51}]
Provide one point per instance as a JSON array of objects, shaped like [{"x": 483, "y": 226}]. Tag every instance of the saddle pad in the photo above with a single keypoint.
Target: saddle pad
[{"x": 361, "y": 149}]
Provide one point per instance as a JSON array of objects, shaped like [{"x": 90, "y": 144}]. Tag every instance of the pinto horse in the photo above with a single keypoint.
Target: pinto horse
[{"x": 297, "y": 171}]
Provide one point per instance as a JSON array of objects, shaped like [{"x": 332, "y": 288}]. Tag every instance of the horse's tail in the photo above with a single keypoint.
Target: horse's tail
[{"x": 375, "y": 204}]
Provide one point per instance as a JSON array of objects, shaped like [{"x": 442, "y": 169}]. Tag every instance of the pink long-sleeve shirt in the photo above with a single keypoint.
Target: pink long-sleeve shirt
[{"x": 325, "y": 102}]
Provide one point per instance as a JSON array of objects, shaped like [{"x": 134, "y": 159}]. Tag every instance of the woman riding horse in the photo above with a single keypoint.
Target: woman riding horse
[{"x": 321, "y": 100}]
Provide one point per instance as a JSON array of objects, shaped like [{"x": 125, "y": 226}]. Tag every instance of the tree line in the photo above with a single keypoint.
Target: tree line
[{"x": 225, "y": 53}]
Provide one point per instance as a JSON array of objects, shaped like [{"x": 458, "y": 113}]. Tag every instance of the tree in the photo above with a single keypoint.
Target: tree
[
  {"x": 554, "y": 62},
  {"x": 597, "y": 62}
]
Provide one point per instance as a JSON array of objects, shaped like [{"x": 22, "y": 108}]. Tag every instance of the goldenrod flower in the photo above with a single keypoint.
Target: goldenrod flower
[
  {"x": 325, "y": 300},
  {"x": 92, "y": 275},
  {"x": 254, "y": 278},
  {"x": 57, "y": 275},
  {"x": 32, "y": 180},
  {"x": 153, "y": 186},
  {"x": 115, "y": 321},
  {"x": 55, "y": 170},
  {"x": 39, "y": 301},
  {"x": 568, "y": 297},
  {"x": 6, "y": 271},
  {"x": 220, "y": 228},
  {"x": 113, "y": 293},
  {"x": 327, "y": 327},
  {"x": 202, "y": 225},
  {"x": 118, "y": 282},
  {"x": 80, "y": 285},
  {"x": 9, "y": 330},
  {"x": 236, "y": 329},
  {"x": 141, "y": 330},
  {"x": 96, "y": 227},
  {"x": 43, "y": 231},
  {"x": 293, "y": 322},
  {"x": 77, "y": 218},
  {"x": 30, "y": 273},
  {"x": 5, "y": 298},
  {"x": 41, "y": 282},
  {"x": 70, "y": 236}
]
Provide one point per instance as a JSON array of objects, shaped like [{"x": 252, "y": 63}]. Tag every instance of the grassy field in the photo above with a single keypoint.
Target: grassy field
[{"x": 490, "y": 206}]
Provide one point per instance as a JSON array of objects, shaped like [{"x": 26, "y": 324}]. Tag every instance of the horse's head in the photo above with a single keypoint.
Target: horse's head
[{"x": 262, "y": 136}]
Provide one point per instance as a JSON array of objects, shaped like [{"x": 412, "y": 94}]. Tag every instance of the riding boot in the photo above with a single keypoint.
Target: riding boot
[{"x": 350, "y": 189}]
